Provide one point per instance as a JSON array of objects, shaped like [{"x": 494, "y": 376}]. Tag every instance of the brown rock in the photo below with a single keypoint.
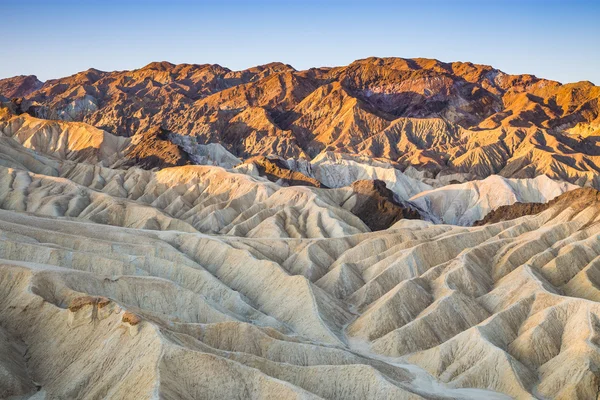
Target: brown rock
[
  {"x": 79, "y": 302},
  {"x": 152, "y": 149},
  {"x": 19, "y": 86},
  {"x": 578, "y": 198},
  {"x": 276, "y": 170},
  {"x": 131, "y": 318},
  {"x": 376, "y": 207}
]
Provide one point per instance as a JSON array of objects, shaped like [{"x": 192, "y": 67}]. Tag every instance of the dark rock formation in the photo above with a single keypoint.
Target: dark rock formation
[
  {"x": 276, "y": 170},
  {"x": 19, "y": 86},
  {"x": 575, "y": 198},
  {"x": 152, "y": 149},
  {"x": 376, "y": 206}
]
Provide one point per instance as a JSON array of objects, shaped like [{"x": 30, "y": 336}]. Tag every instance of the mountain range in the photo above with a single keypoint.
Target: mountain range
[{"x": 434, "y": 116}]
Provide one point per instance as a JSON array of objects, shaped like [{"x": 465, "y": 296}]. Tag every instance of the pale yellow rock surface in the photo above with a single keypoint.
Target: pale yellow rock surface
[{"x": 198, "y": 282}]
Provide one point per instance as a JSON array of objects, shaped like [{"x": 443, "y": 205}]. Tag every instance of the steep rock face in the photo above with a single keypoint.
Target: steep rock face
[
  {"x": 375, "y": 205},
  {"x": 19, "y": 86},
  {"x": 420, "y": 88},
  {"x": 276, "y": 170},
  {"x": 153, "y": 149}
]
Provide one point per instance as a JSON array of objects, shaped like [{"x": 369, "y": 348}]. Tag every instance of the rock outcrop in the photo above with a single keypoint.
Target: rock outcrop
[
  {"x": 153, "y": 149},
  {"x": 508, "y": 212},
  {"x": 277, "y": 170},
  {"x": 375, "y": 205},
  {"x": 19, "y": 86}
]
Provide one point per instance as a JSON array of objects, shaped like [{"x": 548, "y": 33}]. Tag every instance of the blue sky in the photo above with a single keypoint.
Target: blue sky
[{"x": 552, "y": 39}]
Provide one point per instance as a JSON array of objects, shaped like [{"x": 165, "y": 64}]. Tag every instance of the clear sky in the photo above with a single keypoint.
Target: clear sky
[{"x": 552, "y": 39}]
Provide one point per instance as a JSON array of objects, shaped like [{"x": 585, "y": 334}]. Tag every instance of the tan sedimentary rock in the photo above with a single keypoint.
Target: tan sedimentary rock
[
  {"x": 506, "y": 308},
  {"x": 439, "y": 117}
]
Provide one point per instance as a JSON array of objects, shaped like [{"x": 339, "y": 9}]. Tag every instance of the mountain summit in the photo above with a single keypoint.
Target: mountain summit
[{"x": 435, "y": 116}]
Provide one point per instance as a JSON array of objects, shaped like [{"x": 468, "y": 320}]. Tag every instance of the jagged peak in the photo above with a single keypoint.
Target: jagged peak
[{"x": 159, "y": 65}]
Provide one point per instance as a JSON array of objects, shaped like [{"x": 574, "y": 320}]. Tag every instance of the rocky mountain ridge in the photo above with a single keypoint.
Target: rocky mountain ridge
[{"x": 434, "y": 116}]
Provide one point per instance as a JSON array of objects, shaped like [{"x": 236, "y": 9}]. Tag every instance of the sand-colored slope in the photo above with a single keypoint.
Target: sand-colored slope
[
  {"x": 288, "y": 296},
  {"x": 200, "y": 199},
  {"x": 475, "y": 307},
  {"x": 463, "y": 204},
  {"x": 218, "y": 322},
  {"x": 64, "y": 140}
]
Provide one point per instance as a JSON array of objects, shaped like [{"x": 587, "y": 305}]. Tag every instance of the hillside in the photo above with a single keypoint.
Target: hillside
[
  {"x": 220, "y": 283},
  {"x": 435, "y": 116}
]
